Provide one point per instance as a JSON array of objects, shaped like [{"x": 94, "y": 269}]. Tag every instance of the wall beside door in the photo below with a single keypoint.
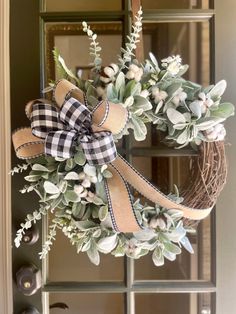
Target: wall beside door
[
  {"x": 5, "y": 203},
  {"x": 226, "y": 207}
]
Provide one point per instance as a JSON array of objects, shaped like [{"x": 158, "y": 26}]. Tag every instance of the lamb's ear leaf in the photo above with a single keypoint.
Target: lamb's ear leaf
[
  {"x": 120, "y": 81},
  {"x": 157, "y": 257},
  {"x": 50, "y": 188},
  {"x": 139, "y": 127},
  {"x": 93, "y": 254},
  {"x": 218, "y": 90},
  {"x": 224, "y": 111},
  {"x": 175, "y": 116}
]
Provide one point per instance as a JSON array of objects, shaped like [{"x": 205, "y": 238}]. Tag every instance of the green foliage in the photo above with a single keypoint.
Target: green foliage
[{"x": 75, "y": 195}]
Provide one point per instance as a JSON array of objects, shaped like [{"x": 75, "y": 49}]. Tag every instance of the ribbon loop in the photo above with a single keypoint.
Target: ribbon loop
[
  {"x": 60, "y": 144},
  {"x": 76, "y": 115},
  {"x": 99, "y": 148},
  {"x": 44, "y": 118},
  {"x": 62, "y": 128}
]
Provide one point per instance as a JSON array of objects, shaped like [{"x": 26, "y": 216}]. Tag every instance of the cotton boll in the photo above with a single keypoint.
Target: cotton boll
[
  {"x": 114, "y": 67},
  {"x": 158, "y": 95},
  {"x": 130, "y": 75},
  {"x": 105, "y": 80},
  {"x": 134, "y": 68},
  {"x": 138, "y": 75},
  {"x": 109, "y": 71},
  {"x": 216, "y": 133},
  {"x": 179, "y": 96}
]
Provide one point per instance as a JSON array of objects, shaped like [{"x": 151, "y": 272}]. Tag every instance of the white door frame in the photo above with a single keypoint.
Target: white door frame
[{"x": 5, "y": 180}]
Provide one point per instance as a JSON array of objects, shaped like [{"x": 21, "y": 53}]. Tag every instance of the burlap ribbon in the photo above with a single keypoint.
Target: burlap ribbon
[{"x": 113, "y": 118}]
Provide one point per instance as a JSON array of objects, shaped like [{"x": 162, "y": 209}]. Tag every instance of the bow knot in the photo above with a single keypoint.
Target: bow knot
[{"x": 71, "y": 125}]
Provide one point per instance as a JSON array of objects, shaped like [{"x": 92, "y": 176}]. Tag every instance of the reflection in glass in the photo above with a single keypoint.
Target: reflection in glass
[
  {"x": 190, "y": 40},
  {"x": 77, "y": 267},
  {"x": 85, "y": 303},
  {"x": 181, "y": 303},
  {"x": 73, "y": 45},
  {"x": 82, "y": 5}
]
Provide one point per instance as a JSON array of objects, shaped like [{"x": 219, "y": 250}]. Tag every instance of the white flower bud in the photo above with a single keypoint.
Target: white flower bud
[
  {"x": 93, "y": 179},
  {"x": 89, "y": 32},
  {"x": 84, "y": 193},
  {"x": 152, "y": 82},
  {"x": 91, "y": 194},
  {"x": 78, "y": 189},
  {"x": 144, "y": 93},
  {"x": 161, "y": 223},
  {"x": 81, "y": 175},
  {"x": 86, "y": 183},
  {"x": 153, "y": 223},
  {"x": 173, "y": 68}
]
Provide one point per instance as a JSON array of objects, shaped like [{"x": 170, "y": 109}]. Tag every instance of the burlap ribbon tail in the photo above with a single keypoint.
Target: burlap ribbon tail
[{"x": 105, "y": 117}]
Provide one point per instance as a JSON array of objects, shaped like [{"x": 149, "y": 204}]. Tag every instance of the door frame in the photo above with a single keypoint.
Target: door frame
[{"x": 5, "y": 160}]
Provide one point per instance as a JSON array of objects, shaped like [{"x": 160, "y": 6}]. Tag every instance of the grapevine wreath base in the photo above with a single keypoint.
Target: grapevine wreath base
[{"x": 79, "y": 176}]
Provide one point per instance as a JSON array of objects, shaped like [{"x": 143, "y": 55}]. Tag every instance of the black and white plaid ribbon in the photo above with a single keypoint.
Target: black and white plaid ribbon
[{"x": 63, "y": 129}]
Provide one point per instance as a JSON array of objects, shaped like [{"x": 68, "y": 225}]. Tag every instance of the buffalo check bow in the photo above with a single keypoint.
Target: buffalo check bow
[
  {"x": 56, "y": 130},
  {"x": 69, "y": 126}
]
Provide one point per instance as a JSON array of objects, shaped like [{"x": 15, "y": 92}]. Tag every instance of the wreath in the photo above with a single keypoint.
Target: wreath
[{"x": 84, "y": 184}]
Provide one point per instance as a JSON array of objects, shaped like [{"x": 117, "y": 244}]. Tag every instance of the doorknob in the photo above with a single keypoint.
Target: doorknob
[
  {"x": 30, "y": 310},
  {"x": 28, "y": 280}
]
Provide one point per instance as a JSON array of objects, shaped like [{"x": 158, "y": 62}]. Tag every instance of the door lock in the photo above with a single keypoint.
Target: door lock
[
  {"x": 30, "y": 310},
  {"x": 28, "y": 279},
  {"x": 30, "y": 236}
]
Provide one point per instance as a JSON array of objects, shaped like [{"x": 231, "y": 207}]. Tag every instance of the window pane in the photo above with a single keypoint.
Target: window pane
[
  {"x": 83, "y": 5},
  {"x": 173, "y": 4},
  {"x": 165, "y": 173},
  {"x": 73, "y": 45},
  {"x": 77, "y": 267},
  {"x": 182, "y": 303},
  {"x": 86, "y": 303},
  {"x": 187, "y": 266},
  {"x": 190, "y": 40}
]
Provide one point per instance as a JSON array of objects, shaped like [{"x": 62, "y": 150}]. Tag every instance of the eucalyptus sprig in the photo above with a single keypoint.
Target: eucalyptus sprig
[
  {"x": 94, "y": 46},
  {"x": 19, "y": 169},
  {"x": 29, "y": 221},
  {"x": 133, "y": 39},
  {"x": 50, "y": 238}
]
